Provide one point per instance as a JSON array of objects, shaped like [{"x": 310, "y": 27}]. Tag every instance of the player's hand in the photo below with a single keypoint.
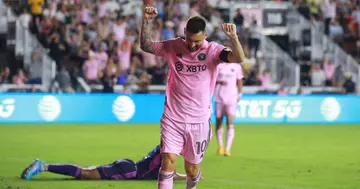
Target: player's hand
[
  {"x": 238, "y": 99},
  {"x": 229, "y": 30},
  {"x": 150, "y": 13}
]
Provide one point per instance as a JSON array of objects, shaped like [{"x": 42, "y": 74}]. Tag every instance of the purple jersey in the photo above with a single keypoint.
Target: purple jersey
[
  {"x": 148, "y": 168},
  {"x": 124, "y": 169}
]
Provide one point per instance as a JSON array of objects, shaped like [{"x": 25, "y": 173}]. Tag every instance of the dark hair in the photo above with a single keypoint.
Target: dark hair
[{"x": 196, "y": 24}]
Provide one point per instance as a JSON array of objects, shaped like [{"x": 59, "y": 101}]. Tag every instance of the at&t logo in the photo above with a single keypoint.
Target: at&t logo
[
  {"x": 49, "y": 108},
  {"x": 123, "y": 108},
  {"x": 330, "y": 108}
]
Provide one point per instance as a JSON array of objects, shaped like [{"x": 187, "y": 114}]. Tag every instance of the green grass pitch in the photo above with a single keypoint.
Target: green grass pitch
[{"x": 263, "y": 156}]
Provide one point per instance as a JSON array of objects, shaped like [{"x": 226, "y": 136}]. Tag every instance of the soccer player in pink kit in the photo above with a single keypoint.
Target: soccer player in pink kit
[
  {"x": 185, "y": 125},
  {"x": 227, "y": 94}
]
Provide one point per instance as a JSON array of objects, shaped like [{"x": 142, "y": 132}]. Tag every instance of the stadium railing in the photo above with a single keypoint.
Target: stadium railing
[
  {"x": 322, "y": 45},
  {"x": 284, "y": 70},
  {"x": 84, "y": 87}
]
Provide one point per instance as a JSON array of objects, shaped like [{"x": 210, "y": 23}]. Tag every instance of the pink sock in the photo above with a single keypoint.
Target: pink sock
[
  {"x": 219, "y": 135},
  {"x": 230, "y": 134},
  {"x": 165, "y": 180},
  {"x": 191, "y": 182}
]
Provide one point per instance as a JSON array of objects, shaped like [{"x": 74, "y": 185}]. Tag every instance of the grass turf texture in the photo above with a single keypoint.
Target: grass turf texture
[{"x": 263, "y": 156}]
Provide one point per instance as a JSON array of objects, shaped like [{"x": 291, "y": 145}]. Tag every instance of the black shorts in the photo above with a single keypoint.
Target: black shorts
[{"x": 124, "y": 169}]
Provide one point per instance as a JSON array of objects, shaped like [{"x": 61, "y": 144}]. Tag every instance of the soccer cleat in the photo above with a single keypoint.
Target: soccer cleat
[
  {"x": 32, "y": 170},
  {"x": 227, "y": 153},
  {"x": 220, "y": 150}
]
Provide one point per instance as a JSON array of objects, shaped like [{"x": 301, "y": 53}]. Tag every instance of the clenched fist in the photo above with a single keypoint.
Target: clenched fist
[
  {"x": 150, "y": 13},
  {"x": 229, "y": 30}
]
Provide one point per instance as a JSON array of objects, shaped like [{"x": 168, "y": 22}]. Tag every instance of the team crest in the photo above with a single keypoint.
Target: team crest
[
  {"x": 202, "y": 56},
  {"x": 179, "y": 66},
  {"x": 232, "y": 69}
]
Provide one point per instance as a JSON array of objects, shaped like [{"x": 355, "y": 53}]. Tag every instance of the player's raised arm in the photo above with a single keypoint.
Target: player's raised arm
[
  {"x": 149, "y": 14},
  {"x": 237, "y": 53}
]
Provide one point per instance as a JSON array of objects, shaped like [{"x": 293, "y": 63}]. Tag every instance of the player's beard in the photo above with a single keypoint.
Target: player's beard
[{"x": 194, "y": 48}]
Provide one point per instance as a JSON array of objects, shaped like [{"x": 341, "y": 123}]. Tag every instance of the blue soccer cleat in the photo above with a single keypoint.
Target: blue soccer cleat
[{"x": 32, "y": 170}]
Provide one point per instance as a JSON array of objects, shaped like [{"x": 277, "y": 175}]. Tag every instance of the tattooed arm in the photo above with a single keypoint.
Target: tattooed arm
[
  {"x": 146, "y": 29},
  {"x": 146, "y": 36}
]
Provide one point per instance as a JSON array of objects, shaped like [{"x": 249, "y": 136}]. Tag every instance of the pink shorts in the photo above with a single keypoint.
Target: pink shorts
[
  {"x": 187, "y": 139},
  {"x": 225, "y": 109}
]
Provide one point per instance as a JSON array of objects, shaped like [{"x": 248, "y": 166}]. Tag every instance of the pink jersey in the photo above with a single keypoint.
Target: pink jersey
[
  {"x": 229, "y": 73},
  {"x": 191, "y": 79}
]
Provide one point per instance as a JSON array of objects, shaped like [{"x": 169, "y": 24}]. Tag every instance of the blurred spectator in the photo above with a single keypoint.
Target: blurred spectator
[
  {"x": 57, "y": 48},
  {"x": 255, "y": 37},
  {"x": 336, "y": 32},
  {"x": 217, "y": 35},
  {"x": 37, "y": 13},
  {"x": 92, "y": 69},
  {"x": 168, "y": 32},
  {"x": 349, "y": 86},
  {"x": 305, "y": 71},
  {"x": 158, "y": 73},
  {"x": 317, "y": 75},
  {"x": 19, "y": 78},
  {"x": 303, "y": 8},
  {"x": 25, "y": 18},
  {"x": 265, "y": 79},
  {"x": 119, "y": 29},
  {"x": 338, "y": 76},
  {"x": 329, "y": 69},
  {"x": 103, "y": 29},
  {"x": 50, "y": 11},
  {"x": 299, "y": 91},
  {"x": 182, "y": 8},
  {"x": 282, "y": 91},
  {"x": 127, "y": 89},
  {"x": 239, "y": 20},
  {"x": 35, "y": 68},
  {"x": 124, "y": 55},
  {"x": 64, "y": 80},
  {"x": 143, "y": 83},
  {"x": 181, "y": 27},
  {"x": 5, "y": 76},
  {"x": 329, "y": 12},
  {"x": 101, "y": 56},
  {"x": 109, "y": 79}
]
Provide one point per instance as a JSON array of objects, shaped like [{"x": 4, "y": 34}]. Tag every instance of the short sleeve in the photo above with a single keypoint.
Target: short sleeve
[
  {"x": 239, "y": 74},
  {"x": 160, "y": 48}
]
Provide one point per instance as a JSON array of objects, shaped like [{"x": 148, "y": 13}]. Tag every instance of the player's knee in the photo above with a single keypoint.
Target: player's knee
[
  {"x": 168, "y": 162},
  {"x": 218, "y": 123},
  {"x": 90, "y": 174},
  {"x": 229, "y": 121},
  {"x": 192, "y": 170}
]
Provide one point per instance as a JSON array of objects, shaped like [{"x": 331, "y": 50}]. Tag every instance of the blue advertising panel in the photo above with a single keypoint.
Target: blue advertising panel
[
  {"x": 148, "y": 108},
  {"x": 80, "y": 108},
  {"x": 298, "y": 109}
]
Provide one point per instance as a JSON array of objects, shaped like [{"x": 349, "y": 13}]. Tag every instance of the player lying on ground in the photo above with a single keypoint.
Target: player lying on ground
[
  {"x": 125, "y": 169},
  {"x": 227, "y": 95}
]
